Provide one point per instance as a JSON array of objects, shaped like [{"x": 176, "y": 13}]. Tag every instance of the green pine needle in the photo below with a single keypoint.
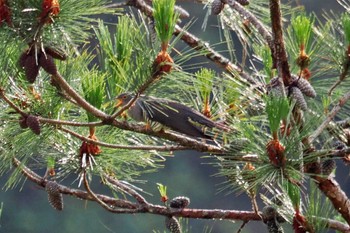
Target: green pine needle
[
  {"x": 293, "y": 192},
  {"x": 277, "y": 109},
  {"x": 302, "y": 27},
  {"x": 93, "y": 85},
  {"x": 346, "y": 27},
  {"x": 165, "y": 19},
  {"x": 205, "y": 82}
]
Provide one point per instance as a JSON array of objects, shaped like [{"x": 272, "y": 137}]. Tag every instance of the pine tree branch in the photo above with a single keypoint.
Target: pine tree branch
[
  {"x": 256, "y": 23},
  {"x": 280, "y": 53},
  {"x": 329, "y": 117},
  {"x": 12, "y": 105},
  {"x": 335, "y": 194},
  {"x": 103, "y": 204},
  {"x": 197, "y": 44},
  {"x": 79, "y": 99},
  {"x": 140, "y": 199},
  {"x": 156, "y": 209},
  {"x": 128, "y": 147}
]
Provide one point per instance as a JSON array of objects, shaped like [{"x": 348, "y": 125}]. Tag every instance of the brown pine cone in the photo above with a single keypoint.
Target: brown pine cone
[
  {"x": 33, "y": 123},
  {"x": 48, "y": 64},
  {"x": 54, "y": 196},
  {"x": 173, "y": 224},
  {"x": 216, "y": 7},
  {"x": 296, "y": 95},
  {"x": 304, "y": 86},
  {"x": 179, "y": 202},
  {"x": 23, "y": 122},
  {"x": 56, "y": 53},
  {"x": 31, "y": 68}
]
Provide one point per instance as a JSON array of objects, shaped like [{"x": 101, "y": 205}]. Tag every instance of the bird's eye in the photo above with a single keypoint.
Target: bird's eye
[{"x": 124, "y": 97}]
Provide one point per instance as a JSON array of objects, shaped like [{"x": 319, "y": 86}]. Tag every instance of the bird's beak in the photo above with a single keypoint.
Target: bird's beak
[{"x": 119, "y": 102}]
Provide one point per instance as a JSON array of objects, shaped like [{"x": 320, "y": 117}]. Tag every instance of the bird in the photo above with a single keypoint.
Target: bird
[{"x": 171, "y": 114}]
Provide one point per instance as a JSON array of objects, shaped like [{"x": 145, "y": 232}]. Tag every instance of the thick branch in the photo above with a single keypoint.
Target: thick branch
[
  {"x": 280, "y": 51},
  {"x": 336, "y": 195}
]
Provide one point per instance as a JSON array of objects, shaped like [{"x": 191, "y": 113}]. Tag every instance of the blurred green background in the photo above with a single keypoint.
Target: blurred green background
[{"x": 26, "y": 209}]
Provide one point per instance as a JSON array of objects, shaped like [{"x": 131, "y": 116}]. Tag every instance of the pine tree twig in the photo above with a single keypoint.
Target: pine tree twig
[
  {"x": 277, "y": 34},
  {"x": 12, "y": 105},
  {"x": 242, "y": 226},
  {"x": 156, "y": 209},
  {"x": 197, "y": 44},
  {"x": 255, "y": 22},
  {"x": 140, "y": 199},
  {"x": 79, "y": 99},
  {"x": 32, "y": 176},
  {"x": 128, "y": 147},
  {"x": 330, "y": 187},
  {"x": 344, "y": 123},
  {"x": 188, "y": 142},
  {"x": 342, "y": 76},
  {"x": 70, "y": 123},
  {"x": 103, "y": 204},
  {"x": 329, "y": 117}
]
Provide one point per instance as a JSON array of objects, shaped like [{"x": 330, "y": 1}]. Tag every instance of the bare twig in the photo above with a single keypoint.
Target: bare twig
[
  {"x": 343, "y": 74},
  {"x": 103, "y": 204},
  {"x": 140, "y": 199},
  {"x": 329, "y": 117}
]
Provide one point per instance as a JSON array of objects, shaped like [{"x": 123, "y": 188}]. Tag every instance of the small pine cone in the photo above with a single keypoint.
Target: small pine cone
[
  {"x": 269, "y": 213},
  {"x": 54, "y": 196},
  {"x": 275, "y": 88},
  {"x": 216, "y": 7},
  {"x": 56, "y": 53},
  {"x": 339, "y": 145},
  {"x": 48, "y": 64},
  {"x": 33, "y": 123},
  {"x": 243, "y": 2},
  {"x": 22, "y": 59},
  {"x": 23, "y": 122},
  {"x": 173, "y": 225},
  {"x": 296, "y": 95},
  {"x": 180, "y": 202},
  {"x": 304, "y": 86},
  {"x": 328, "y": 167},
  {"x": 274, "y": 227},
  {"x": 31, "y": 68}
]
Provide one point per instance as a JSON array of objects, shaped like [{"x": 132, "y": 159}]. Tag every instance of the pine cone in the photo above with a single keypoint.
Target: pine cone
[
  {"x": 23, "y": 122},
  {"x": 48, "y": 64},
  {"x": 173, "y": 224},
  {"x": 180, "y": 202},
  {"x": 33, "y": 123},
  {"x": 339, "y": 145},
  {"x": 296, "y": 95},
  {"x": 24, "y": 56},
  {"x": 56, "y": 53},
  {"x": 304, "y": 86},
  {"x": 54, "y": 196},
  {"x": 243, "y": 2},
  {"x": 31, "y": 68},
  {"x": 216, "y": 7},
  {"x": 275, "y": 88},
  {"x": 328, "y": 167}
]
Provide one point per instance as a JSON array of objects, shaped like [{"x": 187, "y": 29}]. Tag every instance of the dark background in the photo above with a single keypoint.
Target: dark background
[{"x": 25, "y": 209}]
